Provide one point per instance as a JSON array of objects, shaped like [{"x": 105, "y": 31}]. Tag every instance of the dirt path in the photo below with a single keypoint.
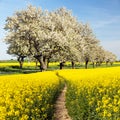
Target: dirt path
[{"x": 61, "y": 112}]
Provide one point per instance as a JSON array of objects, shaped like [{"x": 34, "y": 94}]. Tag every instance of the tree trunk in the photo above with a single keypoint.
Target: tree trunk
[
  {"x": 45, "y": 60},
  {"x": 21, "y": 60},
  {"x": 41, "y": 60},
  {"x": 73, "y": 64},
  {"x": 86, "y": 64},
  {"x": 93, "y": 64},
  {"x": 61, "y": 65},
  {"x": 42, "y": 64},
  {"x": 99, "y": 63},
  {"x": 106, "y": 63},
  {"x": 21, "y": 64},
  {"x": 48, "y": 61},
  {"x": 36, "y": 64},
  {"x": 111, "y": 63}
]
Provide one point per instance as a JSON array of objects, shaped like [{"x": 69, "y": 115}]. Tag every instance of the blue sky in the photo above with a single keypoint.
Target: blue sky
[{"x": 102, "y": 15}]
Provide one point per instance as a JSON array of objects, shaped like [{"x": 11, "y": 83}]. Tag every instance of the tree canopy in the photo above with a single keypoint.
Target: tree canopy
[{"x": 57, "y": 35}]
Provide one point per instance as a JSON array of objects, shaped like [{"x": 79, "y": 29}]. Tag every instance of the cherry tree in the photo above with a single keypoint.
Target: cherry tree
[
  {"x": 17, "y": 47},
  {"x": 45, "y": 35},
  {"x": 40, "y": 32},
  {"x": 98, "y": 56},
  {"x": 110, "y": 57},
  {"x": 87, "y": 43}
]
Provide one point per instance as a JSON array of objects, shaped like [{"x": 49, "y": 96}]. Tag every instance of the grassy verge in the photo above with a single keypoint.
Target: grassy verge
[{"x": 13, "y": 68}]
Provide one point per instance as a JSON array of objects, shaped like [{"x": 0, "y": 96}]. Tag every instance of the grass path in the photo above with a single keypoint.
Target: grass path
[{"x": 61, "y": 112}]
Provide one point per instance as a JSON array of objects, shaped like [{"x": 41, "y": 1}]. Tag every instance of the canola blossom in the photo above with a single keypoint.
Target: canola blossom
[
  {"x": 7, "y": 64},
  {"x": 30, "y": 96},
  {"x": 93, "y": 94}
]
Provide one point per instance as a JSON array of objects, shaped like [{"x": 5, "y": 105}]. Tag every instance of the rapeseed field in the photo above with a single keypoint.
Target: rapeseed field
[
  {"x": 30, "y": 96},
  {"x": 92, "y": 94}
]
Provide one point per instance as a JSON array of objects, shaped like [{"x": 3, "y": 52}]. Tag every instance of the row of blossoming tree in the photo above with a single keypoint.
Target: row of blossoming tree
[{"x": 57, "y": 35}]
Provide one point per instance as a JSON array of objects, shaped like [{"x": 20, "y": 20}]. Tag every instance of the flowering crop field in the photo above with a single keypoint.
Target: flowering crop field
[
  {"x": 2, "y": 64},
  {"x": 30, "y": 96},
  {"x": 93, "y": 94}
]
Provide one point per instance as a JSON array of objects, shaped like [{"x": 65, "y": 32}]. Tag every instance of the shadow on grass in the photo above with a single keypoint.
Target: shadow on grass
[
  {"x": 17, "y": 70},
  {"x": 14, "y": 69}
]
